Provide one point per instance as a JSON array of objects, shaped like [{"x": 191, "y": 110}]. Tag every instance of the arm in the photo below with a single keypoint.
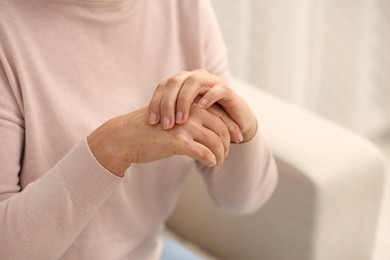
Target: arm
[
  {"x": 246, "y": 179},
  {"x": 42, "y": 220}
]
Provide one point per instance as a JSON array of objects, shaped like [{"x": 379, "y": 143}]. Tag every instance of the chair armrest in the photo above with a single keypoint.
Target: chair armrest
[{"x": 326, "y": 204}]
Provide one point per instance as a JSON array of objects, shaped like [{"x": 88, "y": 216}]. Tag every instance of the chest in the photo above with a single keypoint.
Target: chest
[{"x": 74, "y": 73}]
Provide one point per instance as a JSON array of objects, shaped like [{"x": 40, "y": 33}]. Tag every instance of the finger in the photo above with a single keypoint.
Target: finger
[
  {"x": 218, "y": 126},
  {"x": 199, "y": 82},
  {"x": 186, "y": 97},
  {"x": 211, "y": 140},
  {"x": 154, "y": 105},
  {"x": 234, "y": 130},
  {"x": 197, "y": 151},
  {"x": 221, "y": 128},
  {"x": 207, "y": 129},
  {"x": 168, "y": 99},
  {"x": 218, "y": 92}
]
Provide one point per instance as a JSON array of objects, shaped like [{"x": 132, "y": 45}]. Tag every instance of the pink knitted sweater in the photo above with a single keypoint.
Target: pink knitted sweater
[{"x": 67, "y": 66}]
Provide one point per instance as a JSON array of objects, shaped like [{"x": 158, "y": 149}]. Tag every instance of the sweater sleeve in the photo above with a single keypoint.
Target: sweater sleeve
[
  {"x": 248, "y": 177},
  {"x": 42, "y": 220}
]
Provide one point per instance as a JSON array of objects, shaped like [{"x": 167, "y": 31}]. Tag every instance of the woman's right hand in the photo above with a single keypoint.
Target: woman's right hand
[{"x": 129, "y": 139}]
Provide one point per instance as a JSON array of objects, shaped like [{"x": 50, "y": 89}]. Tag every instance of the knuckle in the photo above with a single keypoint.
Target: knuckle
[
  {"x": 183, "y": 143},
  {"x": 161, "y": 86},
  {"x": 219, "y": 90},
  {"x": 228, "y": 90},
  {"x": 182, "y": 73},
  {"x": 202, "y": 71},
  {"x": 222, "y": 87},
  {"x": 174, "y": 80},
  {"x": 191, "y": 78}
]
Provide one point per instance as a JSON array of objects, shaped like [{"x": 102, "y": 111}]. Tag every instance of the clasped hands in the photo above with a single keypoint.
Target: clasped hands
[{"x": 192, "y": 113}]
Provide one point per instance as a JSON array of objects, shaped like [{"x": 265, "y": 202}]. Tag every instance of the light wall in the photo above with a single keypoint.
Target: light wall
[{"x": 330, "y": 56}]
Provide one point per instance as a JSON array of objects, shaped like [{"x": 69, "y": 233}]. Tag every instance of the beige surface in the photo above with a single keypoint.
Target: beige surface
[
  {"x": 382, "y": 247},
  {"x": 326, "y": 205}
]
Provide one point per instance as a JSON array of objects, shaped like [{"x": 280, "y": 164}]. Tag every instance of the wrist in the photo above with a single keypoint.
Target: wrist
[{"x": 107, "y": 151}]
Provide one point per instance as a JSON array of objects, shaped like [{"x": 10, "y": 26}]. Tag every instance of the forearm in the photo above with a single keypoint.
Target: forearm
[
  {"x": 44, "y": 219},
  {"x": 246, "y": 179}
]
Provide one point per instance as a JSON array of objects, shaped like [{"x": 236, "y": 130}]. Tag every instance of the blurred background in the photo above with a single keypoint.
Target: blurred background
[{"x": 331, "y": 57}]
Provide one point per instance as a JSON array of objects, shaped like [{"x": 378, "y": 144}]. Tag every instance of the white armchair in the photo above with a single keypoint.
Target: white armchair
[{"x": 326, "y": 204}]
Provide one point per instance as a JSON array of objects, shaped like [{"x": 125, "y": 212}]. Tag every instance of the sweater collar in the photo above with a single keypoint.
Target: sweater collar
[{"x": 102, "y": 3}]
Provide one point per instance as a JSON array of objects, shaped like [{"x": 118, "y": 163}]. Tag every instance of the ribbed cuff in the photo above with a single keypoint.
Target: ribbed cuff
[{"x": 85, "y": 177}]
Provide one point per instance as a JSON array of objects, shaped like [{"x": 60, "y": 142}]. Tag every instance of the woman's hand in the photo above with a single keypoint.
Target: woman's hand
[
  {"x": 173, "y": 97},
  {"x": 130, "y": 139}
]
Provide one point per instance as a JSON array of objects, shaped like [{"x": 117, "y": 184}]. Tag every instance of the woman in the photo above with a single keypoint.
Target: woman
[{"x": 91, "y": 153}]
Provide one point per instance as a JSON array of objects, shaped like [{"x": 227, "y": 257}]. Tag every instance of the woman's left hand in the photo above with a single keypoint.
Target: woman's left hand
[{"x": 172, "y": 99}]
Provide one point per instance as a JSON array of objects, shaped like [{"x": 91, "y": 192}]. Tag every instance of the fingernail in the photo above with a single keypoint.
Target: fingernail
[
  {"x": 203, "y": 102},
  {"x": 166, "y": 122},
  {"x": 240, "y": 138},
  {"x": 214, "y": 163},
  {"x": 152, "y": 118},
  {"x": 179, "y": 116}
]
